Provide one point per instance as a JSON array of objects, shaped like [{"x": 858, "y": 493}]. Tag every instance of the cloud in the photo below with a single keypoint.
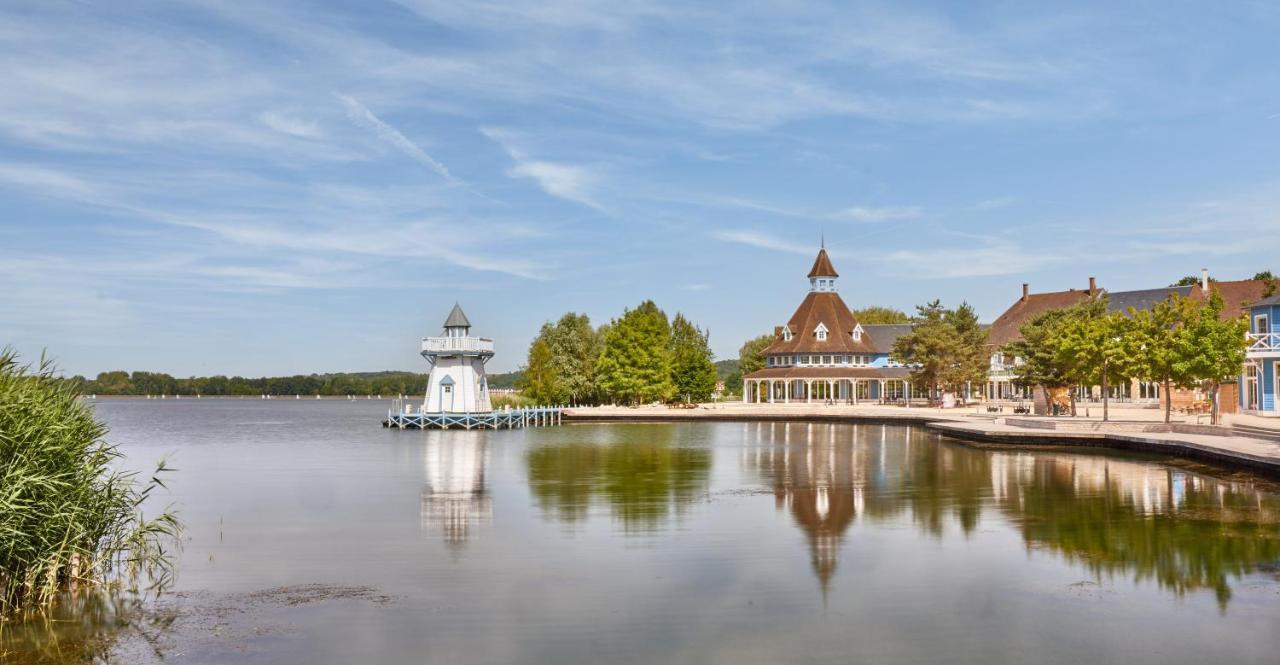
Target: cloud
[
  {"x": 362, "y": 116},
  {"x": 761, "y": 240},
  {"x": 564, "y": 181},
  {"x": 882, "y": 214},
  {"x": 696, "y": 287},
  {"x": 994, "y": 203},
  {"x": 288, "y": 124}
]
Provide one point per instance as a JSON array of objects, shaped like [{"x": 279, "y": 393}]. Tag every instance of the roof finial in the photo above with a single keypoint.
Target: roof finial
[{"x": 823, "y": 235}]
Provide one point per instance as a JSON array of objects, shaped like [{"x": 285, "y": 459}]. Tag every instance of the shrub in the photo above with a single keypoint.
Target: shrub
[{"x": 69, "y": 517}]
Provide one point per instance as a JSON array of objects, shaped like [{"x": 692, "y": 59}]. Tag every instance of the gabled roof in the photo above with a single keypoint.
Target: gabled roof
[
  {"x": 822, "y": 266},
  {"x": 827, "y": 308},
  {"x": 1267, "y": 302},
  {"x": 1237, "y": 296},
  {"x": 1005, "y": 328},
  {"x": 1122, "y": 301},
  {"x": 883, "y": 335},
  {"x": 456, "y": 318}
]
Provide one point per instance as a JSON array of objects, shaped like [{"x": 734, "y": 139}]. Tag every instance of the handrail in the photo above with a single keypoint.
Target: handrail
[
  {"x": 1264, "y": 341},
  {"x": 465, "y": 344}
]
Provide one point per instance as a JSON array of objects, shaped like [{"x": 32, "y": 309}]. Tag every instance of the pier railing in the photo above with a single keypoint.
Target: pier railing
[
  {"x": 1264, "y": 343},
  {"x": 462, "y": 344}
]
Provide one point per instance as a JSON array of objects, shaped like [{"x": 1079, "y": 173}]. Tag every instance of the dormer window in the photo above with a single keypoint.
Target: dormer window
[
  {"x": 857, "y": 333},
  {"x": 786, "y": 334},
  {"x": 821, "y": 332}
]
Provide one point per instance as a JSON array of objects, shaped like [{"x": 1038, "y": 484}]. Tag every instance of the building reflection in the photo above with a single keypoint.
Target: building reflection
[
  {"x": 455, "y": 497},
  {"x": 1186, "y": 529}
]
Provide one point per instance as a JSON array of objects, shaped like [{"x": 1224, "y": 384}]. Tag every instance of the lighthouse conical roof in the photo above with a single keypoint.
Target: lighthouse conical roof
[{"x": 456, "y": 318}]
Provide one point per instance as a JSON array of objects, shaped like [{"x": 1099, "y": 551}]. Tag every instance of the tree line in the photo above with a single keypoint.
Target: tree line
[
  {"x": 640, "y": 357},
  {"x": 1177, "y": 343},
  {"x": 353, "y": 383}
]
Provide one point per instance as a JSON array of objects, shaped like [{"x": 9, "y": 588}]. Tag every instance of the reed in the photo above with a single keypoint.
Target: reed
[
  {"x": 70, "y": 518},
  {"x": 513, "y": 400}
]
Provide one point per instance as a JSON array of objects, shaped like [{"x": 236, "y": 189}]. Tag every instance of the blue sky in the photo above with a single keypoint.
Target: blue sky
[{"x": 266, "y": 188}]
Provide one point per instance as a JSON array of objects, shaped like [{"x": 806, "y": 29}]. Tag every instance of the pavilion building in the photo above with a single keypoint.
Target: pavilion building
[{"x": 823, "y": 354}]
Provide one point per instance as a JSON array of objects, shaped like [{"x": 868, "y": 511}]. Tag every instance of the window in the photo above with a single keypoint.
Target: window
[
  {"x": 821, "y": 332},
  {"x": 857, "y": 333},
  {"x": 1260, "y": 324},
  {"x": 826, "y": 360},
  {"x": 786, "y": 334}
]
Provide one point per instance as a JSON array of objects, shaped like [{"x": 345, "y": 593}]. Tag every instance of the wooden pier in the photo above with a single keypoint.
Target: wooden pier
[{"x": 544, "y": 416}]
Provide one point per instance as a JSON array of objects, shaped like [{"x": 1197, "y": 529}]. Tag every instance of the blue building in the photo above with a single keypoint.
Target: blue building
[{"x": 1258, "y": 384}]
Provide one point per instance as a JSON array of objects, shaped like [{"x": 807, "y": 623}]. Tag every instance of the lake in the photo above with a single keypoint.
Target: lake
[{"x": 316, "y": 536}]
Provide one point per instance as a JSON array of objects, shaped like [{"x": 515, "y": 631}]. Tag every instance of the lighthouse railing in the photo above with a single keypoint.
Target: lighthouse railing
[{"x": 443, "y": 344}]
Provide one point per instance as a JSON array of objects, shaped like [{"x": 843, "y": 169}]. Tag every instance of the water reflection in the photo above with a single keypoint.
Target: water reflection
[
  {"x": 1114, "y": 516},
  {"x": 642, "y": 473},
  {"x": 79, "y": 628},
  {"x": 455, "y": 498}
]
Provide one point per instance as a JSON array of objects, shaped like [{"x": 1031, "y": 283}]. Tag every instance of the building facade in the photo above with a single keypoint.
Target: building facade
[
  {"x": 457, "y": 383},
  {"x": 1260, "y": 381},
  {"x": 823, "y": 354}
]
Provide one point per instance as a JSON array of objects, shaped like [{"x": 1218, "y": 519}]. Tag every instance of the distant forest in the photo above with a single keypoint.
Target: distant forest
[{"x": 353, "y": 383}]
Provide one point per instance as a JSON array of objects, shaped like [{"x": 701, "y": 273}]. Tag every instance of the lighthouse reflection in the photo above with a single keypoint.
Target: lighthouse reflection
[{"x": 455, "y": 498}]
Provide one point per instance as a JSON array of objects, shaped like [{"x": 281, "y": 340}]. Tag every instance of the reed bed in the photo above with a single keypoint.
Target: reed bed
[{"x": 70, "y": 518}]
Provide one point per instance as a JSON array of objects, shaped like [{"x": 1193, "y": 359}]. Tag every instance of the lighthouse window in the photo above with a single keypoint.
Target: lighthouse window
[{"x": 448, "y": 389}]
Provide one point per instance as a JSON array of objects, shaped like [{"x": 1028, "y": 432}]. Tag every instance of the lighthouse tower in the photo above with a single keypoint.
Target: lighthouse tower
[{"x": 457, "y": 383}]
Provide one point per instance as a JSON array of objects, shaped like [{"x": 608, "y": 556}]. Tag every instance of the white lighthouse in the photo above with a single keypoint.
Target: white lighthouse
[{"x": 457, "y": 383}]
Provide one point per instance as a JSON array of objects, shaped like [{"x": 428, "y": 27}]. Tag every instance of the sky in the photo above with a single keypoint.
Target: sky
[{"x": 200, "y": 187}]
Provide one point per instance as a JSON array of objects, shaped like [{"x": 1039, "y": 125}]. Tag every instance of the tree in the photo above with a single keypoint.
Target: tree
[
  {"x": 1191, "y": 280},
  {"x": 693, "y": 369},
  {"x": 751, "y": 354},
  {"x": 1155, "y": 345},
  {"x": 540, "y": 380},
  {"x": 1038, "y": 361},
  {"x": 946, "y": 347},
  {"x": 575, "y": 350},
  {"x": 635, "y": 365},
  {"x": 876, "y": 314},
  {"x": 1090, "y": 344},
  {"x": 1212, "y": 350}
]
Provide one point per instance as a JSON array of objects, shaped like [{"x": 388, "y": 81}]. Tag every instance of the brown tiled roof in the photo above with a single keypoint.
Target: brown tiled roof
[
  {"x": 830, "y": 373},
  {"x": 822, "y": 266},
  {"x": 1005, "y": 328},
  {"x": 1238, "y": 295},
  {"x": 827, "y": 308}
]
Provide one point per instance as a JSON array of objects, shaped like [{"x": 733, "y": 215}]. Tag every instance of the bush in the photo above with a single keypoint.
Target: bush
[{"x": 69, "y": 518}]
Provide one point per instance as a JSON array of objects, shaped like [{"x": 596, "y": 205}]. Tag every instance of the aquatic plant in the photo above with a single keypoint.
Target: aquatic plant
[{"x": 70, "y": 517}]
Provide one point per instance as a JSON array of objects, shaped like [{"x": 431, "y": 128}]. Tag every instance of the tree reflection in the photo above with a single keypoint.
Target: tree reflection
[
  {"x": 1115, "y": 516},
  {"x": 638, "y": 470}
]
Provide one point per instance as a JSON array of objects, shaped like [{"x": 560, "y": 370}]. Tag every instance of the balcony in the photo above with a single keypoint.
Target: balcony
[
  {"x": 457, "y": 345},
  {"x": 1264, "y": 344}
]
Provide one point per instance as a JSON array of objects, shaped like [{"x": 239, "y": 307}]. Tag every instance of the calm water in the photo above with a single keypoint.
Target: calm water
[{"x": 316, "y": 536}]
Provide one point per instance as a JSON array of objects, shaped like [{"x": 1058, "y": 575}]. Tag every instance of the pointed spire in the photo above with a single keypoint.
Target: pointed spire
[
  {"x": 822, "y": 265},
  {"x": 456, "y": 318}
]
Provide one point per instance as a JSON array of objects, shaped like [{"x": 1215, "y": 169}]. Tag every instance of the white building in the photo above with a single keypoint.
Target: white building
[{"x": 457, "y": 383}]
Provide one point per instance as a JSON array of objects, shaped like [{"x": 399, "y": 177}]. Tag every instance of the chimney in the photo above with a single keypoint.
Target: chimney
[
  {"x": 1026, "y": 291},
  {"x": 1093, "y": 285},
  {"x": 1204, "y": 279}
]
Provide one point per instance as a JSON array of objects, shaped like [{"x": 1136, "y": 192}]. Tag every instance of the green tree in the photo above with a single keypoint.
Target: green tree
[
  {"x": 1091, "y": 346},
  {"x": 1038, "y": 362},
  {"x": 876, "y": 314},
  {"x": 540, "y": 380},
  {"x": 693, "y": 368},
  {"x": 946, "y": 347},
  {"x": 1154, "y": 344},
  {"x": 635, "y": 365},
  {"x": 575, "y": 349},
  {"x": 751, "y": 354},
  {"x": 1212, "y": 350}
]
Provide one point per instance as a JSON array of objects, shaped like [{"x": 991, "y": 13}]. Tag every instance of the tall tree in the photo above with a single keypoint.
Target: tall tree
[
  {"x": 635, "y": 365},
  {"x": 1091, "y": 346},
  {"x": 946, "y": 347},
  {"x": 1037, "y": 361},
  {"x": 693, "y": 368},
  {"x": 1154, "y": 344},
  {"x": 575, "y": 350},
  {"x": 876, "y": 314},
  {"x": 1212, "y": 350},
  {"x": 540, "y": 380}
]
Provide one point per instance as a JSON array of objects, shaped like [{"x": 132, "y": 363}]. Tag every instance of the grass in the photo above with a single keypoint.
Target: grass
[
  {"x": 70, "y": 519},
  {"x": 513, "y": 400}
]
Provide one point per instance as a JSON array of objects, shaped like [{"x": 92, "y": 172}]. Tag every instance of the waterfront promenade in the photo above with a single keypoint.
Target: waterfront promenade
[{"x": 1130, "y": 428}]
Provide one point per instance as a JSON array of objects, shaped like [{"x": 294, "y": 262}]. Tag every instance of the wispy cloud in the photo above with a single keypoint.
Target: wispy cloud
[
  {"x": 881, "y": 214},
  {"x": 362, "y": 116},
  {"x": 761, "y": 240},
  {"x": 565, "y": 181}
]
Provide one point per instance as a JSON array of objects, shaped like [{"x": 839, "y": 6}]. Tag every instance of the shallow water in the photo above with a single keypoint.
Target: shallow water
[{"x": 317, "y": 536}]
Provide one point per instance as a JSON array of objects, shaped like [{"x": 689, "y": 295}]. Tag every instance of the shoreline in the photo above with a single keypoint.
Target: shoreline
[{"x": 1197, "y": 443}]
